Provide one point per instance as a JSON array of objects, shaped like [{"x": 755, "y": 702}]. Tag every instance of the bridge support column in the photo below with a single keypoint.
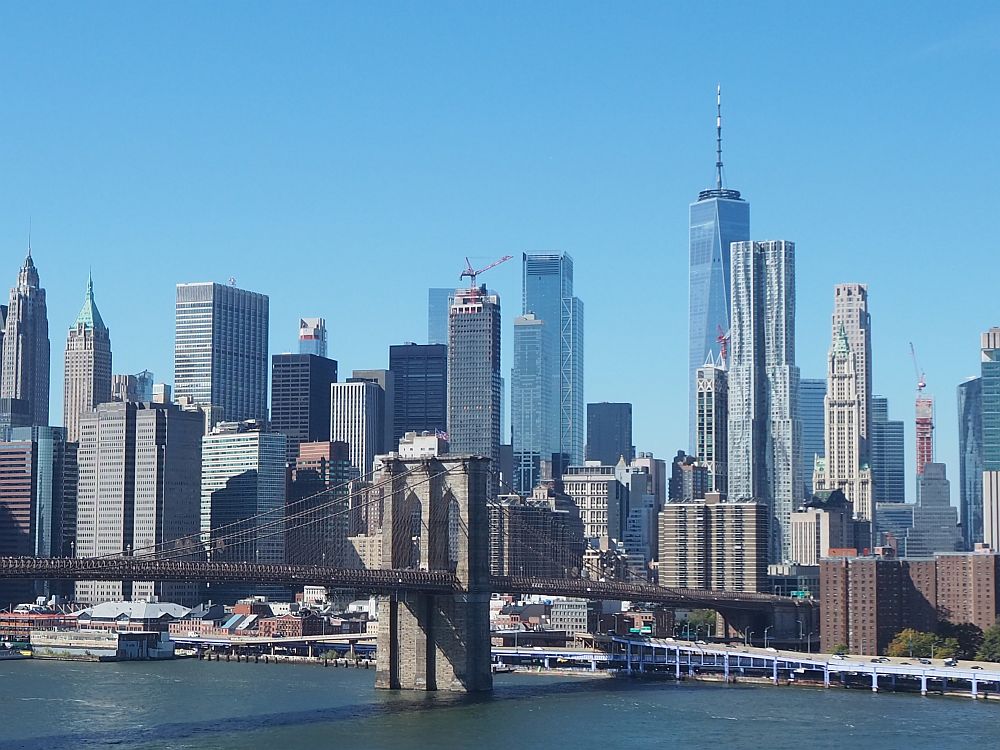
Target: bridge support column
[
  {"x": 874, "y": 680},
  {"x": 677, "y": 663},
  {"x": 725, "y": 666},
  {"x": 923, "y": 684},
  {"x": 826, "y": 675},
  {"x": 775, "y": 671},
  {"x": 975, "y": 688}
]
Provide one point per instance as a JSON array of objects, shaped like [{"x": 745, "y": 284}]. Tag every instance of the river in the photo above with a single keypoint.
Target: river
[{"x": 184, "y": 704}]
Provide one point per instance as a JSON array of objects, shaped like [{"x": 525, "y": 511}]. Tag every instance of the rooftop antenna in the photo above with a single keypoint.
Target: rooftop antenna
[
  {"x": 29, "y": 236},
  {"x": 718, "y": 137},
  {"x": 232, "y": 281}
]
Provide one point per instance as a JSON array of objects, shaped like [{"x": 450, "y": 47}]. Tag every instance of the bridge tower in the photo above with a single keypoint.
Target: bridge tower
[{"x": 435, "y": 518}]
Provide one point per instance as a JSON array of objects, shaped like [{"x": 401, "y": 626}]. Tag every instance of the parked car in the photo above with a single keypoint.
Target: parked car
[
  {"x": 924, "y": 661},
  {"x": 839, "y": 656},
  {"x": 976, "y": 666},
  {"x": 951, "y": 662}
]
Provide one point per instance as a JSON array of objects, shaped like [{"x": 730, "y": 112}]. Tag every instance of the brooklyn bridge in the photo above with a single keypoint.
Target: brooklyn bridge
[{"x": 434, "y": 587}]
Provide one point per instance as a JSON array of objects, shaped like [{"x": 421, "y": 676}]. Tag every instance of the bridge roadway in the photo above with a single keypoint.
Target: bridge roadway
[{"x": 376, "y": 581}]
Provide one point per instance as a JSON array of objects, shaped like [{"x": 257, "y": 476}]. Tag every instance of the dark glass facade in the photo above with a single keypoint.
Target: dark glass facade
[
  {"x": 300, "y": 398},
  {"x": 970, "y": 460},
  {"x": 609, "y": 433},
  {"x": 888, "y": 462},
  {"x": 812, "y": 394},
  {"x": 420, "y": 380}
]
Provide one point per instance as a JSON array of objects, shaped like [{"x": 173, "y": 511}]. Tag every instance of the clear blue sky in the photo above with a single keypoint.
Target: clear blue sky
[{"x": 344, "y": 157}]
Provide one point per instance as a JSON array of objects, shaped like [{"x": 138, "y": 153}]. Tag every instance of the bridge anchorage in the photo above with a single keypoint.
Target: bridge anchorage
[{"x": 427, "y": 640}]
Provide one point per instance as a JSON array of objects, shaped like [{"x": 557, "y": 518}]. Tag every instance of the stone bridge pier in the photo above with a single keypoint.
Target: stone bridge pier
[{"x": 435, "y": 518}]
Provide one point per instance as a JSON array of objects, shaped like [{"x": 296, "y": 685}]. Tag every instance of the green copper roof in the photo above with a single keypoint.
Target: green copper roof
[
  {"x": 841, "y": 346},
  {"x": 90, "y": 316}
]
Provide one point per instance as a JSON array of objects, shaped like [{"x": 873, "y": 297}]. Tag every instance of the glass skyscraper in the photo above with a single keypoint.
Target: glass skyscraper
[
  {"x": 312, "y": 336},
  {"x": 420, "y": 382},
  {"x": 812, "y": 394},
  {"x": 438, "y": 301},
  {"x": 548, "y": 294},
  {"x": 887, "y": 455},
  {"x": 990, "y": 415},
  {"x": 970, "y": 460},
  {"x": 220, "y": 350},
  {"x": 717, "y": 219},
  {"x": 534, "y": 438}
]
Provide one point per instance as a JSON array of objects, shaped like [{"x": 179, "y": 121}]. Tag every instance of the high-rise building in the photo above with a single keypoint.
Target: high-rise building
[
  {"x": 25, "y": 366},
  {"x": 474, "y": 374},
  {"x": 822, "y": 523},
  {"x": 356, "y": 409},
  {"x": 534, "y": 537},
  {"x": 935, "y": 520},
  {"x": 717, "y": 219},
  {"x": 317, "y": 514},
  {"x": 312, "y": 336},
  {"x": 970, "y": 460},
  {"x": 534, "y": 433},
  {"x": 139, "y": 478},
  {"x": 300, "y": 398},
  {"x": 548, "y": 294},
  {"x": 712, "y": 429},
  {"x": 764, "y": 434},
  {"x": 220, "y": 351},
  {"x": 88, "y": 365},
  {"x": 688, "y": 479},
  {"x": 712, "y": 544},
  {"x": 386, "y": 380},
  {"x": 35, "y": 497},
  {"x": 812, "y": 396},
  {"x": 990, "y": 377},
  {"x": 924, "y": 430},
  {"x": 887, "y": 454},
  {"x": 438, "y": 305},
  {"x": 844, "y": 466},
  {"x": 138, "y": 387},
  {"x": 600, "y": 497},
  {"x": 420, "y": 381},
  {"x": 851, "y": 317},
  {"x": 609, "y": 433}
]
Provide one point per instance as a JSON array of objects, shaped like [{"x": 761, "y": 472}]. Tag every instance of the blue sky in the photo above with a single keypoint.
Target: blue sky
[{"x": 344, "y": 157}]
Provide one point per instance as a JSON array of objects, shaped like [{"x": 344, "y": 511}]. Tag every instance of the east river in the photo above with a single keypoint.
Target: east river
[{"x": 192, "y": 704}]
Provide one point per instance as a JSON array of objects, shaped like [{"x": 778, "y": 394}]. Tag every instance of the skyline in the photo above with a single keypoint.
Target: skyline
[{"x": 154, "y": 184}]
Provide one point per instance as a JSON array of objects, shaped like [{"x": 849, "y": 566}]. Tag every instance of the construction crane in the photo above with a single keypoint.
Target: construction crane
[
  {"x": 921, "y": 380},
  {"x": 722, "y": 339},
  {"x": 473, "y": 273}
]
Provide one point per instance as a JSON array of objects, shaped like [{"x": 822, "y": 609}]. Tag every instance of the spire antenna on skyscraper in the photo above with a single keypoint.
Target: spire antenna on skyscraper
[{"x": 718, "y": 137}]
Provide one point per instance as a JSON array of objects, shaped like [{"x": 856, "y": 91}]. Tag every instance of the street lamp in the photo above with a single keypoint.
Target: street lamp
[
  {"x": 747, "y": 637},
  {"x": 800, "y": 633},
  {"x": 765, "y": 634}
]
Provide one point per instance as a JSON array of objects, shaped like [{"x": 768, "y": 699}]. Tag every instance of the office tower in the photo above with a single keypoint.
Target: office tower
[
  {"x": 823, "y": 523},
  {"x": 712, "y": 544},
  {"x": 717, "y": 219},
  {"x": 609, "y": 433},
  {"x": 711, "y": 442},
  {"x": 3, "y": 325},
  {"x": 138, "y": 387},
  {"x": 764, "y": 434},
  {"x": 300, "y": 398},
  {"x": 317, "y": 513},
  {"x": 162, "y": 393},
  {"x": 533, "y": 536},
  {"x": 420, "y": 382},
  {"x": 887, "y": 448},
  {"x": 312, "y": 336},
  {"x": 25, "y": 367},
  {"x": 548, "y": 294},
  {"x": 656, "y": 468},
  {"x": 812, "y": 396},
  {"x": 688, "y": 479},
  {"x": 601, "y": 499},
  {"x": 220, "y": 351},
  {"x": 474, "y": 375},
  {"x": 356, "y": 409},
  {"x": 970, "y": 460},
  {"x": 534, "y": 434},
  {"x": 935, "y": 520},
  {"x": 386, "y": 380},
  {"x": 139, "y": 477},
  {"x": 33, "y": 495},
  {"x": 844, "y": 466},
  {"x": 990, "y": 377},
  {"x": 14, "y": 412},
  {"x": 88, "y": 365},
  {"x": 438, "y": 304},
  {"x": 850, "y": 316},
  {"x": 144, "y": 385}
]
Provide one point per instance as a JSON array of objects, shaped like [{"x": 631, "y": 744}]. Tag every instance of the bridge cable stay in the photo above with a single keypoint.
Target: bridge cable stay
[{"x": 175, "y": 545}]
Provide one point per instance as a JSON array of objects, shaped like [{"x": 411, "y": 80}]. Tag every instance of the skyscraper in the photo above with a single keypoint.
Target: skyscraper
[
  {"x": 438, "y": 303},
  {"x": 300, "y": 398},
  {"x": 139, "y": 475},
  {"x": 712, "y": 433},
  {"x": 534, "y": 438},
  {"x": 88, "y": 365},
  {"x": 717, "y": 219},
  {"x": 220, "y": 351},
  {"x": 548, "y": 294},
  {"x": 850, "y": 313},
  {"x": 609, "y": 433},
  {"x": 764, "y": 433},
  {"x": 138, "y": 387},
  {"x": 356, "y": 409},
  {"x": 312, "y": 336},
  {"x": 25, "y": 368},
  {"x": 887, "y": 454},
  {"x": 970, "y": 460},
  {"x": 844, "y": 466},
  {"x": 474, "y": 375},
  {"x": 420, "y": 383},
  {"x": 990, "y": 377},
  {"x": 812, "y": 394}
]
